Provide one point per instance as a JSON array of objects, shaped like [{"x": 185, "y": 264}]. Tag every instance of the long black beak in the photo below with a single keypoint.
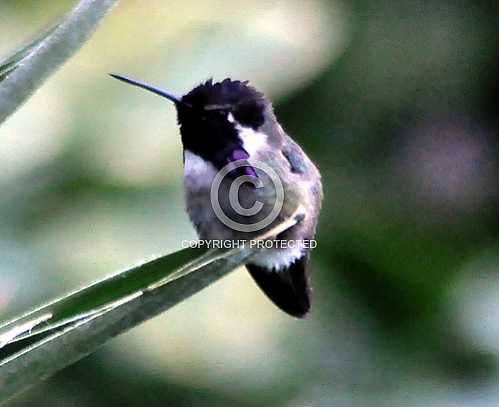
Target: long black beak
[{"x": 150, "y": 88}]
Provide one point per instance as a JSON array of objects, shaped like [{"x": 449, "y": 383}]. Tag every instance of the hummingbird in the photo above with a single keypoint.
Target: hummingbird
[{"x": 230, "y": 128}]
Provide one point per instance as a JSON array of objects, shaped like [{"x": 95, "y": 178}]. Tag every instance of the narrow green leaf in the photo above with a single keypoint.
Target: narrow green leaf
[
  {"x": 23, "y": 72},
  {"x": 131, "y": 303},
  {"x": 91, "y": 299},
  {"x": 13, "y": 61},
  {"x": 51, "y": 337}
]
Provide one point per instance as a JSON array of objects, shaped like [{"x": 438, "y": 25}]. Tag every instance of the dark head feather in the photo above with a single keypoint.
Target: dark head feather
[
  {"x": 228, "y": 92},
  {"x": 245, "y": 102},
  {"x": 203, "y": 115}
]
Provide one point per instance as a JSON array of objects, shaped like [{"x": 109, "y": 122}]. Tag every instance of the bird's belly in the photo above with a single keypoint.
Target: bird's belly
[
  {"x": 278, "y": 259},
  {"x": 210, "y": 225}
]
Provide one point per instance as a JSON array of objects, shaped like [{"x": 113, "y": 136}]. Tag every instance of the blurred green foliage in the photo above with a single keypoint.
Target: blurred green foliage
[{"x": 397, "y": 103}]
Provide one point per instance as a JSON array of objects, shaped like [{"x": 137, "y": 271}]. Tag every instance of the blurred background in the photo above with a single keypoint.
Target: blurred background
[{"x": 396, "y": 101}]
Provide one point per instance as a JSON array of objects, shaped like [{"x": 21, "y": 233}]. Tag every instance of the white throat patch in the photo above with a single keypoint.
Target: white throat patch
[
  {"x": 253, "y": 141},
  {"x": 198, "y": 173}
]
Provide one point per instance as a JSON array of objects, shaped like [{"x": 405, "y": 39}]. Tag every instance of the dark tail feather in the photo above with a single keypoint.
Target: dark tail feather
[{"x": 289, "y": 288}]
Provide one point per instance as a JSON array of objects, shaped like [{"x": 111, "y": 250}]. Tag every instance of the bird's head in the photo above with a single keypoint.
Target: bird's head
[{"x": 217, "y": 118}]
